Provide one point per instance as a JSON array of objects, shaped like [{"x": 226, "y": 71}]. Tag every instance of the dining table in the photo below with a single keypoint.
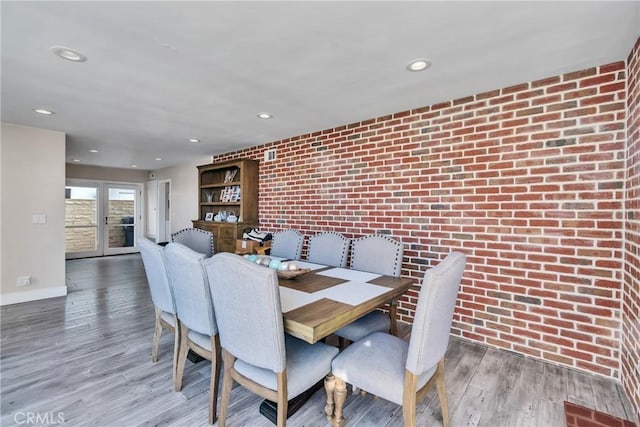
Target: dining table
[{"x": 323, "y": 299}]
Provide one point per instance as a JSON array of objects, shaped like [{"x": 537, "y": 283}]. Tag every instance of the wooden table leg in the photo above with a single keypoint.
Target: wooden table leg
[{"x": 393, "y": 310}]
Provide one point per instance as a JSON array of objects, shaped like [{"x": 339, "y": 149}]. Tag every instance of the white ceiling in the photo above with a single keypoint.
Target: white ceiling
[{"x": 159, "y": 73}]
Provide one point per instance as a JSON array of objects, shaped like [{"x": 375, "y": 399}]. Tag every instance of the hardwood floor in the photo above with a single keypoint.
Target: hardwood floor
[{"x": 85, "y": 359}]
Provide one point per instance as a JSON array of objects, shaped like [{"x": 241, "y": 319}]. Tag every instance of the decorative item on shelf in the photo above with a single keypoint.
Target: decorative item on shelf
[
  {"x": 209, "y": 196},
  {"x": 223, "y": 215},
  {"x": 232, "y": 217},
  {"x": 208, "y": 216},
  {"x": 230, "y": 175}
]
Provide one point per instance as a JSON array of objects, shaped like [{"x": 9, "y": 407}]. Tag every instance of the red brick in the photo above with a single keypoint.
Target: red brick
[{"x": 529, "y": 181}]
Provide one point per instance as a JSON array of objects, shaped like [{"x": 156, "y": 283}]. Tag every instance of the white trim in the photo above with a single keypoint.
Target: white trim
[{"x": 32, "y": 295}]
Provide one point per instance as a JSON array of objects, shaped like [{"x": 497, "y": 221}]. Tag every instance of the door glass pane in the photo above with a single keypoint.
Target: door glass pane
[
  {"x": 121, "y": 214},
  {"x": 81, "y": 219}
]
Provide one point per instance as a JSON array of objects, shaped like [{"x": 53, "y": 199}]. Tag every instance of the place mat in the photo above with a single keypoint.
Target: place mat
[
  {"x": 350, "y": 275},
  {"x": 290, "y": 299},
  {"x": 352, "y": 293},
  {"x": 310, "y": 282},
  {"x": 580, "y": 416}
]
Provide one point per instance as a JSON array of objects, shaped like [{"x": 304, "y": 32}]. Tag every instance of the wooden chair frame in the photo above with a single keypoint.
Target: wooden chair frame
[
  {"x": 336, "y": 390},
  {"x": 230, "y": 375},
  {"x": 161, "y": 324},
  {"x": 214, "y": 356}
]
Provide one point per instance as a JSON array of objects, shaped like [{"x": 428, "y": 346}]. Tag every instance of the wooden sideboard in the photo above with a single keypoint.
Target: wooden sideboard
[
  {"x": 224, "y": 233},
  {"x": 232, "y": 187}
]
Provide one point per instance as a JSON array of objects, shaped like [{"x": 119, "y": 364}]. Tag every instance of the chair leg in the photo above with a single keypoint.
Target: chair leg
[
  {"x": 215, "y": 377},
  {"x": 227, "y": 383},
  {"x": 409, "y": 397},
  {"x": 283, "y": 403},
  {"x": 442, "y": 393},
  {"x": 176, "y": 346},
  {"x": 182, "y": 356},
  {"x": 157, "y": 330}
]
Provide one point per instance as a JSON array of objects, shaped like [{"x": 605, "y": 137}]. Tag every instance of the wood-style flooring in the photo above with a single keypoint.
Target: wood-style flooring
[{"x": 85, "y": 360}]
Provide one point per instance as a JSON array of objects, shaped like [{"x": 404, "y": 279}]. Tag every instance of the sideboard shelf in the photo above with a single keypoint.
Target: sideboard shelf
[{"x": 243, "y": 186}]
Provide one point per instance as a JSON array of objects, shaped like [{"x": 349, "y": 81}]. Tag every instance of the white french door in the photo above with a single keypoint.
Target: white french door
[
  {"x": 101, "y": 218},
  {"x": 121, "y": 217}
]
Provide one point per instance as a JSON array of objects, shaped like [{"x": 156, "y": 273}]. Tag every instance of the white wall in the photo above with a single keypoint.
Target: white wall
[
  {"x": 32, "y": 182},
  {"x": 184, "y": 192}
]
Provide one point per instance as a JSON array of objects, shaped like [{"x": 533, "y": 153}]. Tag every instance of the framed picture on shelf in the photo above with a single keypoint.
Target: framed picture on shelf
[
  {"x": 225, "y": 195},
  {"x": 235, "y": 194},
  {"x": 208, "y": 216}
]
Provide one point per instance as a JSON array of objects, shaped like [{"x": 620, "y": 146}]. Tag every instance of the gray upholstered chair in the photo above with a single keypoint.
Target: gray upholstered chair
[
  {"x": 198, "y": 328},
  {"x": 375, "y": 254},
  {"x": 395, "y": 370},
  {"x": 194, "y": 238},
  {"x": 257, "y": 353},
  {"x": 287, "y": 244},
  {"x": 162, "y": 296},
  {"x": 328, "y": 248}
]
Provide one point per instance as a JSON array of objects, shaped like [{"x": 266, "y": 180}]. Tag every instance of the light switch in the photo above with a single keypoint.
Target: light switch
[{"x": 39, "y": 219}]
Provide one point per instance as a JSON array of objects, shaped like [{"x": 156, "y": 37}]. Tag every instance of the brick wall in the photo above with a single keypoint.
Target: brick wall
[
  {"x": 631, "y": 289},
  {"x": 80, "y": 212},
  {"x": 526, "y": 180},
  {"x": 83, "y": 212},
  {"x": 118, "y": 210}
]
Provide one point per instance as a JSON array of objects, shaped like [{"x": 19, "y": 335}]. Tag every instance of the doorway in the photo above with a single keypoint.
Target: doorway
[
  {"x": 101, "y": 218},
  {"x": 159, "y": 210}
]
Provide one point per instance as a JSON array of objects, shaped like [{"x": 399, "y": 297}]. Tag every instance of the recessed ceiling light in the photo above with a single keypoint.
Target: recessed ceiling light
[
  {"x": 419, "y": 64},
  {"x": 76, "y": 160},
  {"x": 68, "y": 54},
  {"x": 158, "y": 158},
  {"x": 264, "y": 115},
  {"x": 194, "y": 140},
  {"x": 93, "y": 151},
  {"x": 43, "y": 111},
  {"x": 134, "y": 166}
]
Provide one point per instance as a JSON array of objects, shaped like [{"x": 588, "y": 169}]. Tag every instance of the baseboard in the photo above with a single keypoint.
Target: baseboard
[{"x": 32, "y": 295}]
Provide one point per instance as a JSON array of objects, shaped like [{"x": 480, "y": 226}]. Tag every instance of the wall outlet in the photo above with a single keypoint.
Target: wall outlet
[{"x": 23, "y": 281}]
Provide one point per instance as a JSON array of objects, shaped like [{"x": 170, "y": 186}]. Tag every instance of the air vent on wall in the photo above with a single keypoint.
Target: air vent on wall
[{"x": 270, "y": 155}]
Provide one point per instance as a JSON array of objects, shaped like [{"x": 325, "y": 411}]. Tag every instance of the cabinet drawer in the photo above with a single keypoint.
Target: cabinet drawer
[
  {"x": 225, "y": 245},
  {"x": 228, "y": 232}
]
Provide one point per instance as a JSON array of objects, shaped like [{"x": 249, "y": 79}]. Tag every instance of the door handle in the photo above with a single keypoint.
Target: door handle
[{"x": 106, "y": 220}]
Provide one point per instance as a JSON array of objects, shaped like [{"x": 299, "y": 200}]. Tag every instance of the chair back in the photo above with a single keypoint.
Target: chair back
[
  {"x": 190, "y": 289},
  {"x": 377, "y": 254},
  {"x": 196, "y": 239},
  {"x": 434, "y": 313},
  {"x": 156, "y": 269},
  {"x": 246, "y": 298},
  {"x": 287, "y": 244},
  {"x": 329, "y": 248}
]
